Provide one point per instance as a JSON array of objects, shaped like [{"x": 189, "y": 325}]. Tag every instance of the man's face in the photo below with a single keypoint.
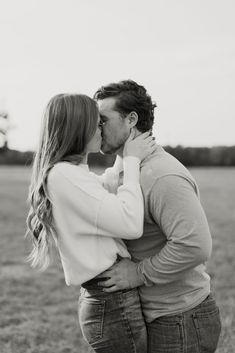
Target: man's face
[{"x": 115, "y": 129}]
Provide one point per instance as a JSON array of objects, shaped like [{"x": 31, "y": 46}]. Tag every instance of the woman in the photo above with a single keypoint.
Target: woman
[{"x": 70, "y": 205}]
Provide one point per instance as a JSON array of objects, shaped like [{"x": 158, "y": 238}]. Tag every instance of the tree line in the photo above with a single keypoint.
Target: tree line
[{"x": 189, "y": 156}]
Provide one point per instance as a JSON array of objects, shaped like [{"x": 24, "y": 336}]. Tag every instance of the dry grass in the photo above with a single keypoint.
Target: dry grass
[{"x": 38, "y": 311}]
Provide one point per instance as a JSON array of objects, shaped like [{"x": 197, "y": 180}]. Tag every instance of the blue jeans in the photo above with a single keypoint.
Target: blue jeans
[
  {"x": 193, "y": 331},
  {"x": 112, "y": 322}
]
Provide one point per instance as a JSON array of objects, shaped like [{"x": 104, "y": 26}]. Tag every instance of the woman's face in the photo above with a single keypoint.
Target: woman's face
[{"x": 94, "y": 144}]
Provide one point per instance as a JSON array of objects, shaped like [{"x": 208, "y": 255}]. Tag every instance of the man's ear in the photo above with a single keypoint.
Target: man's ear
[{"x": 133, "y": 118}]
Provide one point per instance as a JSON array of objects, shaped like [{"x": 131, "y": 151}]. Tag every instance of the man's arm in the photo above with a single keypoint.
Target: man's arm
[{"x": 176, "y": 208}]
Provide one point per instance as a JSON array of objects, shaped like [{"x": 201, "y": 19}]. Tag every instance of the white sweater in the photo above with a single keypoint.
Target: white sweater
[{"x": 90, "y": 221}]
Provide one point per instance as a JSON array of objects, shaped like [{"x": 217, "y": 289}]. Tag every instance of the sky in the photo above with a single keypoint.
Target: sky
[{"x": 182, "y": 51}]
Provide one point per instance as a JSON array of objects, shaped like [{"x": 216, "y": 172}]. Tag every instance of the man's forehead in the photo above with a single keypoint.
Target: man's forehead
[{"x": 106, "y": 105}]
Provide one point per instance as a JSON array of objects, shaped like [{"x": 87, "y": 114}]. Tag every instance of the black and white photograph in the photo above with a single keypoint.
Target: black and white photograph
[{"x": 117, "y": 176}]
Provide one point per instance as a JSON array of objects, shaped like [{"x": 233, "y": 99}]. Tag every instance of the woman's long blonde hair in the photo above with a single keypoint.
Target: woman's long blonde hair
[{"x": 69, "y": 122}]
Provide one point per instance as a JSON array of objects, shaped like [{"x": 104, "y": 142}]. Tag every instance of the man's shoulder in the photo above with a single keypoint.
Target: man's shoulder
[{"x": 162, "y": 164}]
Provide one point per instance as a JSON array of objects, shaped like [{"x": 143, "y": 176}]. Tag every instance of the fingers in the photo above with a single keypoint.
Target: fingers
[
  {"x": 131, "y": 136},
  {"x": 143, "y": 136},
  {"x": 110, "y": 282},
  {"x": 150, "y": 138},
  {"x": 152, "y": 143},
  {"x": 109, "y": 272},
  {"x": 106, "y": 273},
  {"x": 152, "y": 148},
  {"x": 111, "y": 289},
  {"x": 109, "y": 286},
  {"x": 148, "y": 142}
]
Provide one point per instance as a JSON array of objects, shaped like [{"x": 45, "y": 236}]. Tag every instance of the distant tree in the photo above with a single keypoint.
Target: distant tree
[
  {"x": 204, "y": 156},
  {"x": 4, "y": 126}
]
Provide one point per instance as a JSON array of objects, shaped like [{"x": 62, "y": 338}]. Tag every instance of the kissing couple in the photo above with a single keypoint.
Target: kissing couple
[{"x": 135, "y": 238}]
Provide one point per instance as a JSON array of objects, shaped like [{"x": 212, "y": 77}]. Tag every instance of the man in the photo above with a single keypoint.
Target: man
[{"x": 168, "y": 261}]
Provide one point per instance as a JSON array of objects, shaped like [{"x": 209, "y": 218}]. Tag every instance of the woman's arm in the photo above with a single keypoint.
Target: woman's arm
[
  {"x": 79, "y": 199},
  {"x": 124, "y": 212},
  {"x": 110, "y": 177}
]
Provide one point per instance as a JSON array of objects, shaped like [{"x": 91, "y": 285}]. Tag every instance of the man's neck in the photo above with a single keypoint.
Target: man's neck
[{"x": 120, "y": 151}]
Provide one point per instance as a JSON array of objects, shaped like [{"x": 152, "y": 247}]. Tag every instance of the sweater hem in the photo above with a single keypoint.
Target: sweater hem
[{"x": 177, "y": 311}]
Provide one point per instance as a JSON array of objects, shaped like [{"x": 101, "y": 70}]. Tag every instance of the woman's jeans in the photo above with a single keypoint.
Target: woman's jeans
[
  {"x": 112, "y": 322},
  {"x": 194, "y": 331}
]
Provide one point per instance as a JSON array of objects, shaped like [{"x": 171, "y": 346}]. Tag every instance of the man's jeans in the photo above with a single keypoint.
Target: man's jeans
[
  {"x": 112, "y": 322},
  {"x": 194, "y": 331}
]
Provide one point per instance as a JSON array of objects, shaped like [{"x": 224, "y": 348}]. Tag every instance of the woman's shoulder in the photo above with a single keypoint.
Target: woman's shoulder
[
  {"x": 69, "y": 171},
  {"x": 68, "y": 179}
]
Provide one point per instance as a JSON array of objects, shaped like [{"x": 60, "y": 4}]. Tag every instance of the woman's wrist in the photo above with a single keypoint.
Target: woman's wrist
[
  {"x": 131, "y": 167},
  {"x": 126, "y": 158}
]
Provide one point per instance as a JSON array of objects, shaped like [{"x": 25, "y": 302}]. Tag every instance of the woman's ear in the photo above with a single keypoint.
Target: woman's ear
[{"x": 133, "y": 118}]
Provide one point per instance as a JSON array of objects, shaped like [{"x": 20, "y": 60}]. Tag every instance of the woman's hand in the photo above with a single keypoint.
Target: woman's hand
[{"x": 140, "y": 146}]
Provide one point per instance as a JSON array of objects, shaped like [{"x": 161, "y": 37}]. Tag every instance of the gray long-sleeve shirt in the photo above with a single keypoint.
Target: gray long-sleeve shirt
[{"x": 176, "y": 241}]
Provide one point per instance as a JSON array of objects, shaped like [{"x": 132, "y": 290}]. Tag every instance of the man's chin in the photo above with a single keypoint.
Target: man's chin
[
  {"x": 109, "y": 151},
  {"x": 105, "y": 149}
]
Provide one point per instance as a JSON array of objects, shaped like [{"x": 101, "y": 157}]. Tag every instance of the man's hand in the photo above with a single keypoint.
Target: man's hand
[{"x": 122, "y": 275}]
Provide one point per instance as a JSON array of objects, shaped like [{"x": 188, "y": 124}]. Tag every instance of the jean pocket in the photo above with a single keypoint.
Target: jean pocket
[
  {"x": 208, "y": 327},
  {"x": 165, "y": 334},
  {"x": 91, "y": 318}
]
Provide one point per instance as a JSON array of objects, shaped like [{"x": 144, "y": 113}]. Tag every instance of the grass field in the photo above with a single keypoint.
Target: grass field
[{"x": 39, "y": 312}]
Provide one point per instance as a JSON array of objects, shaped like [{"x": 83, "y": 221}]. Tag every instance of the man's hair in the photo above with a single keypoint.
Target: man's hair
[{"x": 130, "y": 97}]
